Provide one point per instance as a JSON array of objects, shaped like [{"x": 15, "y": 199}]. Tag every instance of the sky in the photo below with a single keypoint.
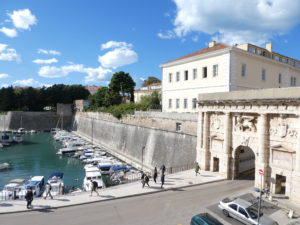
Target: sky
[{"x": 86, "y": 41}]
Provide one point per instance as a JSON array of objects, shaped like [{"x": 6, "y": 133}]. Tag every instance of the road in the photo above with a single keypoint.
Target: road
[{"x": 163, "y": 208}]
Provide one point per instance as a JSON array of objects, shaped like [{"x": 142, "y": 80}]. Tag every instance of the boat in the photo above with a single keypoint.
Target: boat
[
  {"x": 4, "y": 166},
  {"x": 92, "y": 173},
  {"x": 5, "y": 138},
  {"x": 21, "y": 130},
  {"x": 12, "y": 189},
  {"x": 1, "y": 145},
  {"x": 18, "y": 138},
  {"x": 36, "y": 183},
  {"x": 57, "y": 183},
  {"x": 33, "y": 132},
  {"x": 67, "y": 151}
]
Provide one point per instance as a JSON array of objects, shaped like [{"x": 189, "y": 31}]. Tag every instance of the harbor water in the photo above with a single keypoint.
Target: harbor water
[{"x": 36, "y": 156}]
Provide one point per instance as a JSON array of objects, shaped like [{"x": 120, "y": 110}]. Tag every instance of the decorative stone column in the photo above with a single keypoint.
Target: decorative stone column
[
  {"x": 295, "y": 193},
  {"x": 205, "y": 150},
  {"x": 225, "y": 161},
  {"x": 262, "y": 161},
  {"x": 199, "y": 136}
]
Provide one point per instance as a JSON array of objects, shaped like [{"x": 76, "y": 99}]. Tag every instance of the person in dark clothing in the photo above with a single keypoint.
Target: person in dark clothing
[
  {"x": 146, "y": 180},
  {"x": 163, "y": 169},
  {"x": 197, "y": 168},
  {"x": 155, "y": 174},
  {"x": 162, "y": 179},
  {"x": 94, "y": 186},
  {"x": 29, "y": 198}
]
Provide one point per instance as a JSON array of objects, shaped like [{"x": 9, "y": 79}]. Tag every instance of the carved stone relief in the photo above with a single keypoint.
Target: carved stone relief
[
  {"x": 283, "y": 128},
  {"x": 216, "y": 122},
  {"x": 245, "y": 124}
]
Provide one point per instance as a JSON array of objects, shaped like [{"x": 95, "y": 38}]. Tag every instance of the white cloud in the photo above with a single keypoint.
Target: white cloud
[
  {"x": 166, "y": 35},
  {"x": 97, "y": 74},
  {"x": 9, "y": 32},
  {"x": 45, "y": 61},
  {"x": 93, "y": 74},
  {"x": 115, "y": 44},
  {"x": 30, "y": 83},
  {"x": 48, "y": 52},
  {"x": 23, "y": 19},
  {"x": 236, "y": 21},
  {"x": 4, "y": 85},
  {"x": 3, "y": 75},
  {"x": 55, "y": 72},
  {"x": 8, "y": 54}
]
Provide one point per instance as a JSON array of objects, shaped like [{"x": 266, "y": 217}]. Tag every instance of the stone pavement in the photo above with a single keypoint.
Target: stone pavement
[{"x": 172, "y": 181}]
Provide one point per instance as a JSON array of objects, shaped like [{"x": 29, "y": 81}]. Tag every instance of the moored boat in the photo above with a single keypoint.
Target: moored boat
[
  {"x": 57, "y": 184},
  {"x": 36, "y": 183},
  {"x": 94, "y": 174},
  {"x": 4, "y": 166},
  {"x": 12, "y": 189}
]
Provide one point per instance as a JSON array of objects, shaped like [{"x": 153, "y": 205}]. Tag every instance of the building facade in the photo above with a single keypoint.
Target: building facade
[
  {"x": 146, "y": 91},
  {"x": 223, "y": 68},
  {"x": 246, "y": 133}
]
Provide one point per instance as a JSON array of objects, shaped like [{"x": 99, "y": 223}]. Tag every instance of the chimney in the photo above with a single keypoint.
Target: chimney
[
  {"x": 269, "y": 46},
  {"x": 212, "y": 44}
]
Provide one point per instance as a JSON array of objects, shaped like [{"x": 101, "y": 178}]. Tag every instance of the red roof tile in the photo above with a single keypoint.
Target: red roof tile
[{"x": 202, "y": 51}]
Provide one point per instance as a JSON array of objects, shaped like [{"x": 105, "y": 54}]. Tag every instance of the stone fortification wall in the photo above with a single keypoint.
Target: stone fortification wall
[
  {"x": 159, "y": 120},
  {"x": 33, "y": 120},
  {"x": 127, "y": 140}
]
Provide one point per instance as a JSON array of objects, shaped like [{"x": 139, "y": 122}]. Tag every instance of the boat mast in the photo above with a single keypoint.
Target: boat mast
[{"x": 62, "y": 121}]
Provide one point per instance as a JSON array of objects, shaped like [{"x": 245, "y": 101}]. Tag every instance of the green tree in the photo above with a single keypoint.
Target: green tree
[
  {"x": 8, "y": 99},
  {"x": 98, "y": 99},
  {"x": 151, "y": 80},
  {"x": 152, "y": 101},
  {"x": 122, "y": 83}
]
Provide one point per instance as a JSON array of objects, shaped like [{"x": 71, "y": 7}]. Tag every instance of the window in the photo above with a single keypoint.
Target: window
[
  {"x": 215, "y": 70},
  {"x": 185, "y": 103},
  {"x": 194, "y": 74},
  {"x": 194, "y": 103},
  {"x": 204, "y": 72},
  {"x": 243, "y": 72},
  {"x": 178, "y": 76},
  {"x": 252, "y": 50},
  {"x": 170, "y": 77},
  {"x": 263, "y": 75},
  {"x": 178, "y": 127},
  {"x": 279, "y": 78},
  {"x": 177, "y": 103},
  {"x": 293, "y": 81},
  {"x": 170, "y": 103},
  {"x": 243, "y": 212},
  {"x": 233, "y": 206},
  {"x": 186, "y": 75}
]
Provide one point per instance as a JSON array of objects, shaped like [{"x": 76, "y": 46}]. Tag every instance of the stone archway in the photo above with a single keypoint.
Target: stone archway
[{"x": 243, "y": 163}]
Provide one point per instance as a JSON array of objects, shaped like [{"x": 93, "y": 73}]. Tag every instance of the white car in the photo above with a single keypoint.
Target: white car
[{"x": 244, "y": 211}]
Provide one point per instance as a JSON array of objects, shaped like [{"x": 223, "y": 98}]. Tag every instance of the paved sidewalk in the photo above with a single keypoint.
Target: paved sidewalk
[{"x": 178, "y": 180}]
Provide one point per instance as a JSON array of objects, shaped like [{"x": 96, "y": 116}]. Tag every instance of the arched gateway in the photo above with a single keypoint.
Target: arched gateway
[{"x": 251, "y": 131}]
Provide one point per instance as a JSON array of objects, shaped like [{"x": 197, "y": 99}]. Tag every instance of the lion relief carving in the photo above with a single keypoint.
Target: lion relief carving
[{"x": 245, "y": 123}]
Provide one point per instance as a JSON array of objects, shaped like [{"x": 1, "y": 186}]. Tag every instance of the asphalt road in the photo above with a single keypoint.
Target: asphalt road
[{"x": 164, "y": 208}]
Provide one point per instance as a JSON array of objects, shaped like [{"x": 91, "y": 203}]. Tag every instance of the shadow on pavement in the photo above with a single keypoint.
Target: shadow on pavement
[
  {"x": 107, "y": 196},
  {"x": 63, "y": 200},
  {"x": 6, "y": 205}
]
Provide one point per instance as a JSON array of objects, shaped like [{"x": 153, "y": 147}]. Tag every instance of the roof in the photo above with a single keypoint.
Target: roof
[
  {"x": 203, "y": 51},
  {"x": 94, "y": 87}
]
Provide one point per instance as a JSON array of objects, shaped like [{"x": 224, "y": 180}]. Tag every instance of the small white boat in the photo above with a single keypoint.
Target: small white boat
[
  {"x": 36, "y": 183},
  {"x": 94, "y": 174},
  {"x": 67, "y": 151},
  {"x": 12, "y": 189},
  {"x": 5, "y": 138},
  {"x": 4, "y": 166},
  {"x": 21, "y": 130},
  {"x": 57, "y": 184},
  {"x": 1, "y": 145},
  {"x": 33, "y": 131},
  {"x": 18, "y": 138}
]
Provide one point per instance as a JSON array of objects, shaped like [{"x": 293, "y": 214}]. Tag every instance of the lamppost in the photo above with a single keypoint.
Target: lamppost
[{"x": 143, "y": 148}]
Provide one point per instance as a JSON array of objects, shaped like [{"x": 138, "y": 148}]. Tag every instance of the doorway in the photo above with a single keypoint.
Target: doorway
[
  {"x": 280, "y": 184},
  {"x": 216, "y": 162},
  {"x": 244, "y": 163}
]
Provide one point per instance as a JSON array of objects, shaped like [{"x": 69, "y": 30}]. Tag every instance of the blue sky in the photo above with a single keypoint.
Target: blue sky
[{"x": 84, "y": 42}]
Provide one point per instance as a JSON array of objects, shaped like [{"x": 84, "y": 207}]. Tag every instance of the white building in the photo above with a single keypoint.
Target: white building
[
  {"x": 223, "y": 68},
  {"x": 146, "y": 91}
]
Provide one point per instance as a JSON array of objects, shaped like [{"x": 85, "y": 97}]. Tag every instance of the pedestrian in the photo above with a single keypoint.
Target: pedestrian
[
  {"x": 162, "y": 179},
  {"x": 29, "y": 197},
  {"x": 267, "y": 190},
  {"x": 163, "y": 169},
  {"x": 146, "y": 180},
  {"x": 197, "y": 168},
  {"x": 94, "y": 186},
  {"x": 48, "y": 191},
  {"x": 155, "y": 174}
]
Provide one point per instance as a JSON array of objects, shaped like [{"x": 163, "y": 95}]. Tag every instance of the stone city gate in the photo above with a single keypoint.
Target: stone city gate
[{"x": 259, "y": 130}]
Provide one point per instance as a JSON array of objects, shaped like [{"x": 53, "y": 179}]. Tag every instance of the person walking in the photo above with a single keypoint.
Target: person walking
[
  {"x": 29, "y": 198},
  {"x": 163, "y": 169},
  {"x": 48, "y": 191},
  {"x": 94, "y": 186},
  {"x": 146, "y": 180},
  {"x": 162, "y": 179},
  {"x": 197, "y": 168},
  {"x": 155, "y": 174}
]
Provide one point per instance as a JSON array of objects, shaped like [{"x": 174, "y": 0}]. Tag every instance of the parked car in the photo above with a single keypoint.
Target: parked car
[
  {"x": 244, "y": 211},
  {"x": 204, "y": 219}
]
